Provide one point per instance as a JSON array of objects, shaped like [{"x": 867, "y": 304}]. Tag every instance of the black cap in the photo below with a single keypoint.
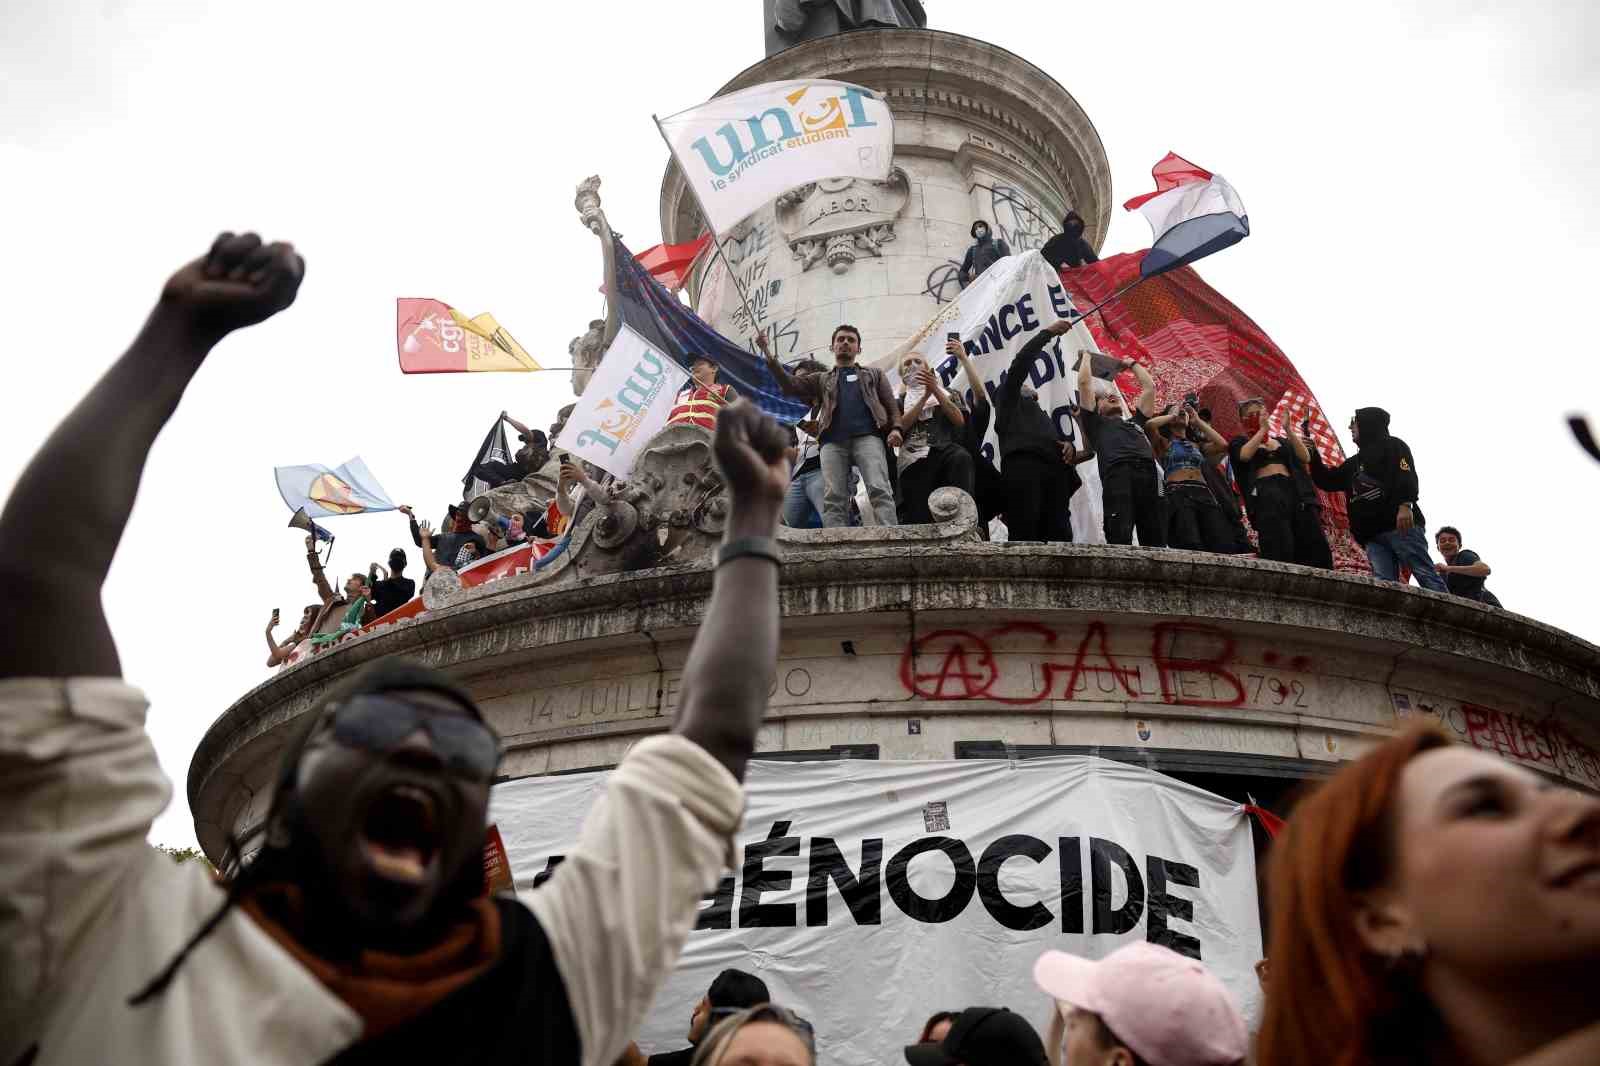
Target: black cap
[
  {"x": 736, "y": 990},
  {"x": 983, "y": 1036}
]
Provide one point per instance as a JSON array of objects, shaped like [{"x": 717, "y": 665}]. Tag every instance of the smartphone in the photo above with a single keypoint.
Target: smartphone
[
  {"x": 274, "y": 616},
  {"x": 953, "y": 336},
  {"x": 1191, "y": 400}
]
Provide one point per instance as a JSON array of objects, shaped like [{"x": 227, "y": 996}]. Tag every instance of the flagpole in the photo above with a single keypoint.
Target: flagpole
[
  {"x": 716, "y": 238},
  {"x": 1084, "y": 317}
]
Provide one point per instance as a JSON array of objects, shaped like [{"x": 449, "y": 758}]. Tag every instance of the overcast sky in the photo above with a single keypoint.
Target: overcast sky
[{"x": 1419, "y": 177}]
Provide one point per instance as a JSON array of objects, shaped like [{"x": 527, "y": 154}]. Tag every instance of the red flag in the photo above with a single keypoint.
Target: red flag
[
  {"x": 1171, "y": 172},
  {"x": 670, "y": 263}
]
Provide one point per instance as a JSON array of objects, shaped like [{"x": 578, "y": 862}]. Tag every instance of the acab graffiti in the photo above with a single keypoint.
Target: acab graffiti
[{"x": 1189, "y": 663}]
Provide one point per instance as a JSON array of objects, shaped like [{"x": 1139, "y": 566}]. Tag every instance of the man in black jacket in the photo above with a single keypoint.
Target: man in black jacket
[
  {"x": 1068, "y": 248},
  {"x": 395, "y": 588},
  {"x": 1380, "y": 483},
  {"x": 983, "y": 253},
  {"x": 1036, "y": 461}
]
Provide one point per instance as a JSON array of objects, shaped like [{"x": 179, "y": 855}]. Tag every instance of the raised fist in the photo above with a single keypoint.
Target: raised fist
[
  {"x": 753, "y": 454},
  {"x": 239, "y": 282}
]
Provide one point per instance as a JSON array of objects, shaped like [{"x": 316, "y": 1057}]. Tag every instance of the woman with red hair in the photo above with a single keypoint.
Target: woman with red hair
[{"x": 1435, "y": 904}]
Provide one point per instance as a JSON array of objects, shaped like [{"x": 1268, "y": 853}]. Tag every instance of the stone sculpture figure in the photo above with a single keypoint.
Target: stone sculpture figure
[
  {"x": 788, "y": 22},
  {"x": 586, "y": 352}
]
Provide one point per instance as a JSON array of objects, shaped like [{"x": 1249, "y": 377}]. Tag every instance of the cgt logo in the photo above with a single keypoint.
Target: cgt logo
[
  {"x": 749, "y": 141},
  {"x": 622, "y": 413}
]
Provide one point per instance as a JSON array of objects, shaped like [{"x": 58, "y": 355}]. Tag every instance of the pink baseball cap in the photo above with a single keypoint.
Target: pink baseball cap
[{"x": 1168, "y": 1008}]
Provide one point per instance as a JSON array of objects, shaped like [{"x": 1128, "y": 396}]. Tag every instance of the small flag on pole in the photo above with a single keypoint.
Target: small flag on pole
[
  {"x": 1192, "y": 213},
  {"x": 435, "y": 338},
  {"x": 321, "y": 491},
  {"x": 741, "y": 151}
]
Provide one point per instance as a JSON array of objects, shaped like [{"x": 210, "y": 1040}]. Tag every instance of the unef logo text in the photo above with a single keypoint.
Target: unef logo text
[{"x": 749, "y": 141}]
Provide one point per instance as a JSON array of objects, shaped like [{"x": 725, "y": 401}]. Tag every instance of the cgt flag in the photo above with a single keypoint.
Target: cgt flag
[
  {"x": 1192, "y": 213},
  {"x": 626, "y": 402},
  {"x": 741, "y": 151},
  {"x": 435, "y": 338},
  {"x": 347, "y": 489}
]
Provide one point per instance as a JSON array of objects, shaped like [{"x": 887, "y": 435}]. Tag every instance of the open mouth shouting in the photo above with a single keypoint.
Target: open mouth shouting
[{"x": 399, "y": 837}]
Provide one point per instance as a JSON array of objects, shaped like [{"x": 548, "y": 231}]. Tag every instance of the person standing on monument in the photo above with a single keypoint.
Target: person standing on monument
[
  {"x": 982, "y": 254},
  {"x": 1464, "y": 571},
  {"x": 855, "y": 410},
  {"x": 1068, "y": 248},
  {"x": 699, "y": 401},
  {"x": 1037, "y": 464},
  {"x": 1130, "y": 491},
  {"x": 361, "y": 928},
  {"x": 1282, "y": 507},
  {"x": 934, "y": 454}
]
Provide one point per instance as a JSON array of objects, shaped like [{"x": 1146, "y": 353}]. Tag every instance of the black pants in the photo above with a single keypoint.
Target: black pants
[
  {"x": 1038, "y": 493},
  {"x": 1194, "y": 520},
  {"x": 945, "y": 466},
  {"x": 1131, "y": 497},
  {"x": 1287, "y": 530}
]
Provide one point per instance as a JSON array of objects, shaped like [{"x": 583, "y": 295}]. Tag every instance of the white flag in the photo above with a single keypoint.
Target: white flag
[
  {"x": 626, "y": 402},
  {"x": 741, "y": 151}
]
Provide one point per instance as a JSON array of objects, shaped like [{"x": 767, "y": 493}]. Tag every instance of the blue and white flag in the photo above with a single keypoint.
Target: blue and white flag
[{"x": 346, "y": 489}]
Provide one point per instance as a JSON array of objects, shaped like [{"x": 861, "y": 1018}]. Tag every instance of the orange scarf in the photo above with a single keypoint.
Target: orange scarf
[{"x": 385, "y": 989}]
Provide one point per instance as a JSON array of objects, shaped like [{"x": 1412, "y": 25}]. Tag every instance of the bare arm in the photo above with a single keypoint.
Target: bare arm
[
  {"x": 1248, "y": 450},
  {"x": 735, "y": 651},
  {"x": 1147, "y": 390},
  {"x": 429, "y": 563},
  {"x": 276, "y": 653},
  {"x": 909, "y": 416},
  {"x": 1086, "y": 379},
  {"x": 946, "y": 403},
  {"x": 514, "y": 424},
  {"x": 91, "y": 465},
  {"x": 1478, "y": 569},
  {"x": 1298, "y": 443},
  {"x": 1215, "y": 447},
  {"x": 317, "y": 577},
  {"x": 974, "y": 381}
]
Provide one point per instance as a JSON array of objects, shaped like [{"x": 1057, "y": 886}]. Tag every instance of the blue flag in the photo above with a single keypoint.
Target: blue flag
[
  {"x": 647, "y": 308},
  {"x": 348, "y": 489}
]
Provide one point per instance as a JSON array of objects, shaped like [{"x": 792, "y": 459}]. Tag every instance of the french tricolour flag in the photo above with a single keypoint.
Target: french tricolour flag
[{"x": 1192, "y": 213}]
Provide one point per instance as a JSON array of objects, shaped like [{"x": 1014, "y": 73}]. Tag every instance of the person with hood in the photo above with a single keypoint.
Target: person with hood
[
  {"x": 1068, "y": 248},
  {"x": 1279, "y": 497},
  {"x": 360, "y": 930},
  {"x": 1380, "y": 485},
  {"x": 1037, "y": 462},
  {"x": 982, "y": 254}
]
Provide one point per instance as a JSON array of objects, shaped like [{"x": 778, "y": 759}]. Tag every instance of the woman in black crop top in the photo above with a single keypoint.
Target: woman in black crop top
[{"x": 1286, "y": 515}]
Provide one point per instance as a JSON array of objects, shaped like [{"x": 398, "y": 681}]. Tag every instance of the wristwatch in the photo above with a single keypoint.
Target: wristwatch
[{"x": 758, "y": 547}]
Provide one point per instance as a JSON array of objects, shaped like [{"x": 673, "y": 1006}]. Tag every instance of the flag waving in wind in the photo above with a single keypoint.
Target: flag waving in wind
[
  {"x": 741, "y": 151},
  {"x": 435, "y": 338},
  {"x": 347, "y": 489},
  {"x": 646, "y": 307},
  {"x": 1192, "y": 213}
]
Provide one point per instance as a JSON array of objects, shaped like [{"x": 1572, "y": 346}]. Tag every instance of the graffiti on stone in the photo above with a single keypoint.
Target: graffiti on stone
[
  {"x": 944, "y": 282},
  {"x": 1022, "y": 222}
]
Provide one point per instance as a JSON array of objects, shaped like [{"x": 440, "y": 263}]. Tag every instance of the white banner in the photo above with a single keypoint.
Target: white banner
[
  {"x": 626, "y": 402},
  {"x": 871, "y": 894},
  {"x": 741, "y": 151},
  {"x": 996, "y": 316}
]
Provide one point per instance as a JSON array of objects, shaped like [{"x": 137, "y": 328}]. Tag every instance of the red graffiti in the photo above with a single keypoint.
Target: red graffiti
[
  {"x": 958, "y": 664},
  {"x": 1542, "y": 744}
]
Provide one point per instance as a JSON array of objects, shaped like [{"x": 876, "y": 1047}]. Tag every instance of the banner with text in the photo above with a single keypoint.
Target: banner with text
[
  {"x": 626, "y": 402},
  {"x": 870, "y": 894},
  {"x": 741, "y": 151},
  {"x": 996, "y": 316}
]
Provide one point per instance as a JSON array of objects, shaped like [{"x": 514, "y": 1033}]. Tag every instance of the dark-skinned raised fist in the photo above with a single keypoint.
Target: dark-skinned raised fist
[
  {"x": 753, "y": 454},
  {"x": 241, "y": 281}
]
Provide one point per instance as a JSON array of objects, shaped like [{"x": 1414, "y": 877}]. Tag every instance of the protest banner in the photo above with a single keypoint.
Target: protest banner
[
  {"x": 626, "y": 402},
  {"x": 869, "y": 894}
]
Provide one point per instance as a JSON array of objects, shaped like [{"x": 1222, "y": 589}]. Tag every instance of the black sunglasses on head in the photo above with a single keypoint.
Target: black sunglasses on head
[{"x": 380, "y": 723}]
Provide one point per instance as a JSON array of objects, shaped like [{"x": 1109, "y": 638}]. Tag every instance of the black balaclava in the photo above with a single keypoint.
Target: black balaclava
[{"x": 1072, "y": 224}]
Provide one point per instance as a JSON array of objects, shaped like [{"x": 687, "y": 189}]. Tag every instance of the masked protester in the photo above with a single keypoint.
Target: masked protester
[
  {"x": 982, "y": 254},
  {"x": 1037, "y": 462},
  {"x": 360, "y": 931},
  {"x": 1280, "y": 501},
  {"x": 1130, "y": 493},
  {"x": 1380, "y": 483},
  {"x": 933, "y": 453},
  {"x": 1185, "y": 444},
  {"x": 1435, "y": 905},
  {"x": 1069, "y": 248},
  {"x": 989, "y": 490}
]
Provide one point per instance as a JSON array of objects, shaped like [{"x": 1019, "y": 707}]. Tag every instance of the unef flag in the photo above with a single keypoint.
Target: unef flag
[
  {"x": 1192, "y": 213},
  {"x": 347, "y": 489},
  {"x": 435, "y": 338},
  {"x": 741, "y": 151},
  {"x": 626, "y": 402}
]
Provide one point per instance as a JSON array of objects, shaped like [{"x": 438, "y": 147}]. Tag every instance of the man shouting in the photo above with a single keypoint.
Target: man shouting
[{"x": 360, "y": 931}]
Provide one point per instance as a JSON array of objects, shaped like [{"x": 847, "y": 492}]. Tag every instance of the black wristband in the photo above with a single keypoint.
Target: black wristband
[{"x": 758, "y": 547}]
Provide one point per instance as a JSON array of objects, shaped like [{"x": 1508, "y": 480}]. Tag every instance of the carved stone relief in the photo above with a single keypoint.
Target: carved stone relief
[
  {"x": 839, "y": 220},
  {"x": 585, "y": 352}
]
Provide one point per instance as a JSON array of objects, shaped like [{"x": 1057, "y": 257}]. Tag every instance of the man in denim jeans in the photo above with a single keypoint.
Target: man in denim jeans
[
  {"x": 854, "y": 414},
  {"x": 1380, "y": 484}
]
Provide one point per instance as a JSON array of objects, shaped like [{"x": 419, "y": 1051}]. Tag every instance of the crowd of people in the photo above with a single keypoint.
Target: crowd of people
[
  {"x": 1430, "y": 903},
  {"x": 1166, "y": 477}
]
